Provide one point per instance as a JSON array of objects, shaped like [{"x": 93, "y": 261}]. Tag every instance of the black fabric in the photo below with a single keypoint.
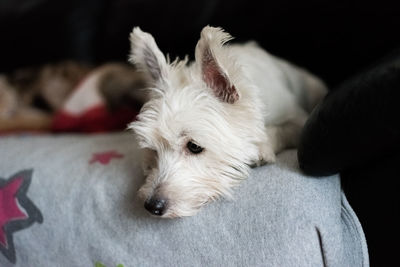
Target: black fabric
[
  {"x": 356, "y": 131},
  {"x": 356, "y": 124},
  {"x": 331, "y": 38},
  {"x": 373, "y": 192}
]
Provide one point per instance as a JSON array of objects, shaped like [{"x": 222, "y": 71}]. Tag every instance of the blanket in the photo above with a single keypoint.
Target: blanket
[{"x": 71, "y": 200}]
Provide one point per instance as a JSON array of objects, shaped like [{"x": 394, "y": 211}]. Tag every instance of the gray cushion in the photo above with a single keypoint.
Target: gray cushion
[{"x": 81, "y": 210}]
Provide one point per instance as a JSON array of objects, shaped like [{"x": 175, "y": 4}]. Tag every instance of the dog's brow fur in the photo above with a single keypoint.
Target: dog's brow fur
[{"x": 163, "y": 142}]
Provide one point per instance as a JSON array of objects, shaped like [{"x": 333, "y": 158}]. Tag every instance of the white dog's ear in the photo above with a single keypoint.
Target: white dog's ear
[
  {"x": 146, "y": 55},
  {"x": 208, "y": 49}
]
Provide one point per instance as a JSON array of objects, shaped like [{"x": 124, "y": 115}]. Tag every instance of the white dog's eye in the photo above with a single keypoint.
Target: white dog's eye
[{"x": 195, "y": 149}]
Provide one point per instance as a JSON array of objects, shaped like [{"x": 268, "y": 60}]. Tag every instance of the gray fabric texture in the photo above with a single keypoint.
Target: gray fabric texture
[{"x": 279, "y": 217}]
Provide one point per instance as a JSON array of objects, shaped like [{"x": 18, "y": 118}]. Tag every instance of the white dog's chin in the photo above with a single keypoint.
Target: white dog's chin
[
  {"x": 205, "y": 123},
  {"x": 172, "y": 209},
  {"x": 177, "y": 211}
]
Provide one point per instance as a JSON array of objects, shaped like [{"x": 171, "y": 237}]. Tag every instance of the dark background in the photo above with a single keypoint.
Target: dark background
[{"x": 334, "y": 39}]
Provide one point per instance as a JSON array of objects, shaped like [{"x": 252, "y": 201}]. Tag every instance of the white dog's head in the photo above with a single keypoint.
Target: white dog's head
[{"x": 197, "y": 129}]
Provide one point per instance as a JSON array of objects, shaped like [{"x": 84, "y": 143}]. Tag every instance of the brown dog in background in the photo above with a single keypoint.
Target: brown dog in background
[{"x": 30, "y": 96}]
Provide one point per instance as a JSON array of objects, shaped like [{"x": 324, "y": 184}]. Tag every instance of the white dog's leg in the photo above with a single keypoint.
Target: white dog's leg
[
  {"x": 266, "y": 153},
  {"x": 279, "y": 138},
  {"x": 284, "y": 136}
]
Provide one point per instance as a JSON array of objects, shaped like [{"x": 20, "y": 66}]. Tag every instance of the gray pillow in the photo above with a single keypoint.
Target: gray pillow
[{"x": 71, "y": 201}]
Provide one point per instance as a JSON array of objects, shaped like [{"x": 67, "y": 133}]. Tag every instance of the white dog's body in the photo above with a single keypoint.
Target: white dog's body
[{"x": 207, "y": 122}]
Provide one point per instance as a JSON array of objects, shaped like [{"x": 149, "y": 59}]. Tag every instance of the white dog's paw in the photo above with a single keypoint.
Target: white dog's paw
[{"x": 265, "y": 155}]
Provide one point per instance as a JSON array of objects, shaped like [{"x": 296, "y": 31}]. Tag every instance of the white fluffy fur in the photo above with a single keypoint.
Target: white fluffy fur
[{"x": 274, "y": 98}]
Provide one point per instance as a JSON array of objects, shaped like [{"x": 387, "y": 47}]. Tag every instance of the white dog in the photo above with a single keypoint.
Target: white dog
[{"x": 207, "y": 122}]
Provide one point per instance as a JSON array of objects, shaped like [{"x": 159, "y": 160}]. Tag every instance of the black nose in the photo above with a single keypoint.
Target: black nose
[{"x": 156, "y": 206}]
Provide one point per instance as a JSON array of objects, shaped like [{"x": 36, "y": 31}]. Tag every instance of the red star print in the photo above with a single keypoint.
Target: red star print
[
  {"x": 105, "y": 157},
  {"x": 17, "y": 211},
  {"x": 9, "y": 208}
]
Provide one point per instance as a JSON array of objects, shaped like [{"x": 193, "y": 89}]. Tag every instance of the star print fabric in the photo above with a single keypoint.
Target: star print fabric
[{"x": 17, "y": 211}]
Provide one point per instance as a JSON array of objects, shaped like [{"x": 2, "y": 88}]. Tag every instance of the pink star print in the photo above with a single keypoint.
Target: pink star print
[
  {"x": 105, "y": 157},
  {"x": 9, "y": 208}
]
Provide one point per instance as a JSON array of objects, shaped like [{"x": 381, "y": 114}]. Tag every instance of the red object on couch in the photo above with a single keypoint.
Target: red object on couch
[{"x": 95, "y": 119}]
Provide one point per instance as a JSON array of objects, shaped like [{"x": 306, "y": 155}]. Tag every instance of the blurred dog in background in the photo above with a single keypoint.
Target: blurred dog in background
[{"x": 29, "y": 97}]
